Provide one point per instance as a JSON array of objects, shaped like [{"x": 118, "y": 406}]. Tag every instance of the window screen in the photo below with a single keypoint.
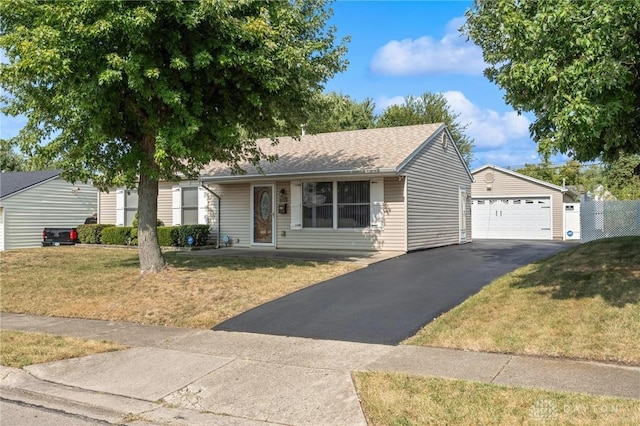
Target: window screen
[
  {"x": 190, "y": 206},
  {"x": 317, "y": 205},
  {"x": 354, "y": 206}
]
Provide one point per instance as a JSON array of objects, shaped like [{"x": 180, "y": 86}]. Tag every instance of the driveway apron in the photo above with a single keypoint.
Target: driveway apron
[{"x": 389, "y": 301}]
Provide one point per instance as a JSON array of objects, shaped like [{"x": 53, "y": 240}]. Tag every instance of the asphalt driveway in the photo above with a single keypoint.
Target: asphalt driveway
[{"x": 389, "y": 301}]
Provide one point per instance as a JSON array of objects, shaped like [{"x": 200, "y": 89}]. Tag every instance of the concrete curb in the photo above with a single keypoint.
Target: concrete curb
[{"x": 185, "y": 376}]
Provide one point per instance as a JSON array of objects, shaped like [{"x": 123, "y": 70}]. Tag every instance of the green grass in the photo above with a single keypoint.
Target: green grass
[
  {"x": 582, "y": 303},
  {"x": 403, "y": 400}
]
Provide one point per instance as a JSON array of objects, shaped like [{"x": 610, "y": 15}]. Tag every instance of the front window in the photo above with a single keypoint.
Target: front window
[
  {"x": 190, "y": 206},
  {"x": 354, "y": 207},
  {"x": 317, "y": 205},
  {"x": 345, "y": 204},
  {"x": 130, "y": 206}
]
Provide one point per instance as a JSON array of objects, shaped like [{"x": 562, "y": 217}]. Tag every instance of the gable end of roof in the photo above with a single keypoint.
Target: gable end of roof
[{"x": 519, "y": 176}]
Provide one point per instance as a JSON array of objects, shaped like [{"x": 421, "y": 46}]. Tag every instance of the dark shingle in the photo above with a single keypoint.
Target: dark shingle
[{"x": 12, "y": 182}]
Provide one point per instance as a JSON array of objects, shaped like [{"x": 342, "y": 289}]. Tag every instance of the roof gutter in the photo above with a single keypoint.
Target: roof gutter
[
  {"x": 218, "y": 212},
  {"x": 382, "y": 171}
]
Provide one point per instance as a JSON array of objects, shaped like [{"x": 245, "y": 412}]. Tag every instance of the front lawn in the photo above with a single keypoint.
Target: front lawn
[
  {"x": 582, "y": 303},
  {"x": 403, "y": 400},
  {"x": 105, "y": 283},
  {"x": 21, "y": 349}
]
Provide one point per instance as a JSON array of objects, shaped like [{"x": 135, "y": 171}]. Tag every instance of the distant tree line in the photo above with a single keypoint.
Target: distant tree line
[
  {"x": 335, "y": 112},
  {"x": 617, "y": 177}
]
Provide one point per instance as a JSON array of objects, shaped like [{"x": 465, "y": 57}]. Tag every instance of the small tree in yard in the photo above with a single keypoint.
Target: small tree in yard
[{"x": 129, "y": 93}]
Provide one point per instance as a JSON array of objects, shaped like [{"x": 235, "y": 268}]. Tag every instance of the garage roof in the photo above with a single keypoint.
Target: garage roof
[
  {"x": 13, "y": 182},
  {"x": 521, "y": 176}
]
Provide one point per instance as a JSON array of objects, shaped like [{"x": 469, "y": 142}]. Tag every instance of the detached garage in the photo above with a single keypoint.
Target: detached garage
[{"x": 509, "y": 205}]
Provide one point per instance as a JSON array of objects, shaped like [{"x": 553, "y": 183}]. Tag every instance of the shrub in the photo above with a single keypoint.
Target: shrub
[
  {"x": 91, "y": 234},
  {"x": 135, "y": 221},
  {"x": 200, "y": 233},
  {"x": 120, "y": 235},
  {"x": 165, "y": 238},
  {"x": 133, "y": 236}
]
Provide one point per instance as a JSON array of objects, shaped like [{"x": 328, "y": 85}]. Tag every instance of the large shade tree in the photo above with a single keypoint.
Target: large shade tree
[
  {"x": 128, "y": 93},
  {"x": 574, "y": 64}
]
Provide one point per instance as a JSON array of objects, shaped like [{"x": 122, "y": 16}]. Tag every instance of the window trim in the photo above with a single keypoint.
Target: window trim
[{"x": 376, "y": 205}]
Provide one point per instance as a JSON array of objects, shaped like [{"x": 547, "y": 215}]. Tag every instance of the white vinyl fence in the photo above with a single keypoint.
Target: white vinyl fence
[{"x": 606, "y": 219}]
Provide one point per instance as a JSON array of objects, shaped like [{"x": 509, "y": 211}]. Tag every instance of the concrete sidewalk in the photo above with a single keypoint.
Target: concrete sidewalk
[{"x": 187, "y": 376}]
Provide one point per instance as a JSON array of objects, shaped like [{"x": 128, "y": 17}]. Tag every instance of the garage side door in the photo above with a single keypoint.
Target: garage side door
[{"x": 512, "y": 218}]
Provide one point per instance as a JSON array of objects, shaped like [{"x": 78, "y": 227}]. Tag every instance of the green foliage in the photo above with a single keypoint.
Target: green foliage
[
  {"x": 10, "y": 161},
  {"x": 616, "y": 177},
  {"x": 118, "y": 235},
  {"x": 574, "y": 64},
  {"x": 620, "y": 180},
  {"x": 113, "y": 83},
  {"x": 165, "y": 236},
  {"x": 200, "y": 233},
  {"x": 134, "y": 222},
  {"x": 91, "y": 234},
  {"x": 124, "y": 93},
  {"x": 425, "y": 109},
  {"x": 335, "y": 112}
]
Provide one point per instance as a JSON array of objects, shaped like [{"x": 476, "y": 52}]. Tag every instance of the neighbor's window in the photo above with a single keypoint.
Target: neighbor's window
[
  {"x": 317, "y": 205},
  {"x": 130, "y": 206},
  {"x": 354, "y": 207},
  {"x": 190, "y": 206}
]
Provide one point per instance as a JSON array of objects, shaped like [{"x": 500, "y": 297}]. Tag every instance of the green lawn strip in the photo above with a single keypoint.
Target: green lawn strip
[
  {"x": 19, "y": 349},
  {"x": 403, "y": 400},
  {"x": 582, "y": 303}
]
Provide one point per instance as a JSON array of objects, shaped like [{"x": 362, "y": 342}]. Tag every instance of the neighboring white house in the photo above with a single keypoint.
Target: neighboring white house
[
  {"x": 31, "y": 201},
  {"x": 510, "y": 205},
  {"x": 399, "y": 189}
]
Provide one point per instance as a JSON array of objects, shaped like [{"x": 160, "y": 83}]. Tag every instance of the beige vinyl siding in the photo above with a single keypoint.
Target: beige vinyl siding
[
  {"x": 165, "y": 201},
  {"x": 390, "y": 237},
  {"x": 234, "y": 212},
  {"x": 394, "y": 233},
  {"x": 52, "y": 204},
  {"x": 107, "y": 207},
  {"x": 434, "y": 178},
  {"x": 506, "y": 185}
]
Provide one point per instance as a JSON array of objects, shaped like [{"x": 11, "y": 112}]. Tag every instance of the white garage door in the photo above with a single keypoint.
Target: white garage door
[{"x": 511, "y": 218}]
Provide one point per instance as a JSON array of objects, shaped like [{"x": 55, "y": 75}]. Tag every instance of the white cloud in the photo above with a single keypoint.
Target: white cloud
[
  {"x": 384, "y": 102},
  {"x": 425, "y": 55},
  {"x": 488, "y": 128}
]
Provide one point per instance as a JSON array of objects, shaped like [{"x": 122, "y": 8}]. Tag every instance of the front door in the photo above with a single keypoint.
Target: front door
[{"x": 262, "y": 222}]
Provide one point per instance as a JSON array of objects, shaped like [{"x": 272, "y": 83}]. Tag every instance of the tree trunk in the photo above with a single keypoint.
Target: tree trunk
[{"x": 149, "y": 253}]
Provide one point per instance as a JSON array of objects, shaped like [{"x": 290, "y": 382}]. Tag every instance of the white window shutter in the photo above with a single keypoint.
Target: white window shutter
[
  {"x": 120, "y": 207},
  {"x": 177, "y": 205},
  {"x": 203, "y": 206},
  {"x": 377, "y": 203},
  {"x": 296, "y": 205}
]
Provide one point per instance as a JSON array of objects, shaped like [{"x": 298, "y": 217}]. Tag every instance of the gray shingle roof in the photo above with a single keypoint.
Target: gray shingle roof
[
  {"x": 12, "y": 182},
  {"x": 385, "y": 148}
]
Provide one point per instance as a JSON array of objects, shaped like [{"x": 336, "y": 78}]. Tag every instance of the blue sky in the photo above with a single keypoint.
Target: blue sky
[{"x": 401, "y": 48}]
